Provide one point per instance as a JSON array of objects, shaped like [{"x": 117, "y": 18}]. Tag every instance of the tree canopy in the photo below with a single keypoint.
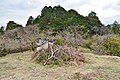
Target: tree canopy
[
  {"x": 30, "y": 21},
  {"x": 58, "y": 19},
  {"x": 1, "y": 30},
  {"x": 12, "y": 25}
]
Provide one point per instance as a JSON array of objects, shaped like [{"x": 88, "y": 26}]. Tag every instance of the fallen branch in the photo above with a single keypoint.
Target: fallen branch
[{"x": 52, "y": 55}]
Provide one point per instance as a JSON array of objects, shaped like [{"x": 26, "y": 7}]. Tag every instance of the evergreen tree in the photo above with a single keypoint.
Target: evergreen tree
[
  {"x": 30, "y": 21},
  {"x": 12, "y": 25},
  {"x": 58, "y": 19},
  {"x": 116, "y": 28},
  {"x": 94, "y": 20},
  {"x": 2, "y": 30}
]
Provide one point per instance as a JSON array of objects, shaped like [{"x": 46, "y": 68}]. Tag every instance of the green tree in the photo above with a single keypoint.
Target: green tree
[
  {"x": 58, "y": 19},
  {"x": 12, "y": 25},
  {"x": 94, "y": 20},
  {"x": 2, "y": 30},
  {"x": 116, "y": 28},
  {"x": 52, "y": 18},
  {"x": 30, "y": 21},
  {"x": 94, "y": 23}
]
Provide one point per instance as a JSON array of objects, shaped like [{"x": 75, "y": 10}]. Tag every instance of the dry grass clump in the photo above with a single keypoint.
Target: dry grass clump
[
  {"x": 62, "y": 56},
  {"x": 90, "y": 76}
]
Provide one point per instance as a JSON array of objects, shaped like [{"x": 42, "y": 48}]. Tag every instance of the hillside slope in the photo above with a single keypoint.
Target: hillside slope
[{"x": 19, "y": 67}]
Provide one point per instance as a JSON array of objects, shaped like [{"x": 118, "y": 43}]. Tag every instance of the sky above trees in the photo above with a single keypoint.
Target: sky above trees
[{"x": 19, "y": 10}]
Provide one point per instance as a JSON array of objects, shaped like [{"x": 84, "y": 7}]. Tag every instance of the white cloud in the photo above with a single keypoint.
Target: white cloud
[{"x": 20, "y": 10}]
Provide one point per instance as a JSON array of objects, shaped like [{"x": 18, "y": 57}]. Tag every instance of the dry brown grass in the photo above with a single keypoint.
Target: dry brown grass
[{"x": 19, "y": 67}]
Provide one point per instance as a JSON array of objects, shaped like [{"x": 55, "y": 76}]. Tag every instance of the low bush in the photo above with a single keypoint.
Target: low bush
[
  {"x": 4, "y": 52},
  {"x": 87, "y": 43},
  {"x": 59, "y": 41},
  {"x": 113, "y": 45},
  {"x": 84, "y": 50},
  {"x": 97, "y": 44},
  {"x": 107, "y": 44},
  {"x": 63, "y": 56}
]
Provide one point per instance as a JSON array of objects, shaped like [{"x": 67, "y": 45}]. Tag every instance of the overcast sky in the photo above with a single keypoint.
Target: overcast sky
[{"x": 19, "y": 10}]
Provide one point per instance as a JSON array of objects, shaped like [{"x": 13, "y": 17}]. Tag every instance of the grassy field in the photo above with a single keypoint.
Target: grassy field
[{"x": 19, "y": 67}]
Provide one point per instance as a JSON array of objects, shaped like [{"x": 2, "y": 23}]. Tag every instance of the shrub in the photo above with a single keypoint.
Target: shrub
[
  {"x": 113, "y": 45},
  {"x": 4, "y": 52},
  {"x": 18, "y": 40},
  {"x": 44, "y": 57},
  {"x": 63, "y": 56},
  {"x": 107, "y": 44},
  {"x": 97, "y": 44},
  {"x": 87, "y": 43},
  {"x": 59, "y": 41},
  {"x": 85, "y": 50}
]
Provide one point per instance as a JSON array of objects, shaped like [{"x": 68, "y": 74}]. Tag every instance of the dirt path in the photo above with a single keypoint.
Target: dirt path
[{"x": 19, "y": 67}]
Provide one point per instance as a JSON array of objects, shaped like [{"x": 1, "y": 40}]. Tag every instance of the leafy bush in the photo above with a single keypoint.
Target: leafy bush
[
  {"x": 87, "y": 43},
  {"x": 107, "y": 44},
  {"x": 84, "y": 50},
  {"x": 4, "y": 52},
  {"x": 113, "y": 45},
  {"x": 44, "y": 57},
  {"x": 59, "y": 41}
]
